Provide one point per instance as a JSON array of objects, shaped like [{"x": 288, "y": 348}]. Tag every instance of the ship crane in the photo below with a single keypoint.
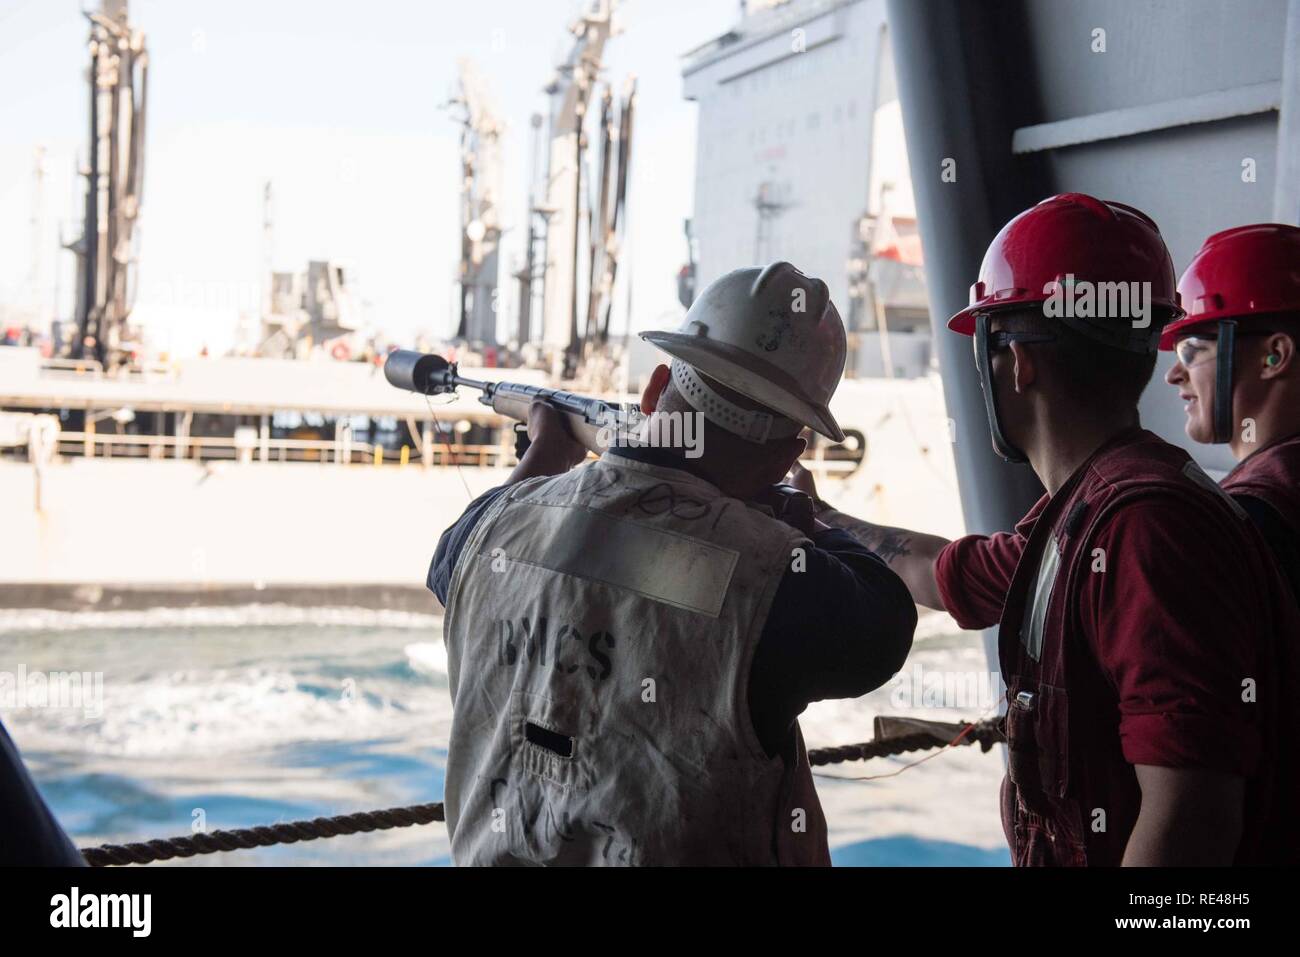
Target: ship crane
[
  {"x": 571, "y": 90},
  {"x": 480, "y": 222},
  {"x": 607, "y": 216},
  {"x": 528, "y": 274},
  {"x": 106, "y": 251}
]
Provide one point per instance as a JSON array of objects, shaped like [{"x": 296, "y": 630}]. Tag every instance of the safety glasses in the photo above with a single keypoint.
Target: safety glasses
[
  {"x": 1002, "y": 339},
  {"x": 985, "y": 342},
  {"x": 1194, "y": 350}
]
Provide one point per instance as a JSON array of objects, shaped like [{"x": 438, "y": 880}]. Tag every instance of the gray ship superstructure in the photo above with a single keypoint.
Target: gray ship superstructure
[{"x": 800, "y": 156}]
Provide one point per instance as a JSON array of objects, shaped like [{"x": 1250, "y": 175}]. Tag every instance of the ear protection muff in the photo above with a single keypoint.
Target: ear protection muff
[{"x": 1223, "y": 380}]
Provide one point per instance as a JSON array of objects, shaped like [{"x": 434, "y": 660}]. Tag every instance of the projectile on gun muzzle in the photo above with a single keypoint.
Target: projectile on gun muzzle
[{"x": 417, "y": 372}]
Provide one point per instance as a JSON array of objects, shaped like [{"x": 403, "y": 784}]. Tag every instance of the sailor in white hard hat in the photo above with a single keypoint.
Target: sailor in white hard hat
[
  {"x": 771, "y": 335},
  {"x": 631, "y": 642}
]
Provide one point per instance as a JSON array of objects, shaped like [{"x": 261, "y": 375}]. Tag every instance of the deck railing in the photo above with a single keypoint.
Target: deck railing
[
  {"x": 203, "y": 448},
  {"x": 322, "y": 451}
]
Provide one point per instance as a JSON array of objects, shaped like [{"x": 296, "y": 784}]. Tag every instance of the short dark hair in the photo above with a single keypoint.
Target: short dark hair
[
  {"x": 1287, "y": 323},
  {"x": 1088, "y": 370}
]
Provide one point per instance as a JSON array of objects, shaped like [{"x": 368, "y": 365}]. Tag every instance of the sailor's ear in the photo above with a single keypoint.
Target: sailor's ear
[
  {"x": 654, "y": 388},
  {"x": 1279, "y": 356}
]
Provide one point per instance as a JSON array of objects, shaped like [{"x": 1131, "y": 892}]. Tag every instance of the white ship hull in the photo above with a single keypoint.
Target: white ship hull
[{"x": 359, "y": 534}]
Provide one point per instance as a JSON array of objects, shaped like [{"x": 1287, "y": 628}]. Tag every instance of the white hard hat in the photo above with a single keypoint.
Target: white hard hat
[{"x": 771, "y": 334}]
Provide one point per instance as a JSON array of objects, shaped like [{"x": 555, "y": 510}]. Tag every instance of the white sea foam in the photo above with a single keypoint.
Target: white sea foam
[
  {"x": 428, "y": 657},
  {"x": 269, "y": 715},
  {"x": 191, "y": 713},
  {"x": 230, "y": 616}
]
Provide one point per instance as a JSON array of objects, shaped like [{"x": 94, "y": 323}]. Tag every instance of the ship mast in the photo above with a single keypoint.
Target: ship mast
[
  {"x": 570, "y": 90},
  {"x": 607, "y": 217},
  {"x": 528, "y": 275},
  {"x": 480, "y": 221},
  {"x": 118, "y": 76}
]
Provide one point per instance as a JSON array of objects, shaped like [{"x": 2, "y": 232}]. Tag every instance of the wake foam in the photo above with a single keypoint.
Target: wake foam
[{"x": 233, "y": 616}]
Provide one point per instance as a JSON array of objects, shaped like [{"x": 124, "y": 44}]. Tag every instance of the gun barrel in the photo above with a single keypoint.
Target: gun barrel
[
  {"x": 419, "y": 372},
  {"x": 587, "y": 419}
]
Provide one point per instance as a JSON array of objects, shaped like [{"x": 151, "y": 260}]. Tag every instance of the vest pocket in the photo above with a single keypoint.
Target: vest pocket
[
  {"x": 544, "y": 740},
  {"x": 1045, "y": 824},
  {"x": 548, "y": 740},
  {"x": 1038, "y": 758},
  {"x": 1023, "y": 749},
  {"x": 563, "y": 814}
]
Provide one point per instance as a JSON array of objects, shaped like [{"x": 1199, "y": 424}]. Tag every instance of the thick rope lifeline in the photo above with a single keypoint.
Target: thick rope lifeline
[
  {"x": 983, "y": 733},
  {"x": 211, "y": 842}
]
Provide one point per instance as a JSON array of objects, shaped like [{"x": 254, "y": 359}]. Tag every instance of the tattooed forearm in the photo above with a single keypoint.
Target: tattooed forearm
[
  {"x": 888, "y": 543},
  {"x": 891, "y": 545},
  {"x": 911, "y": 555}
]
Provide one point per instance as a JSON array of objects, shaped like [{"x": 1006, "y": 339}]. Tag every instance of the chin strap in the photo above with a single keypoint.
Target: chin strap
[
  {"x": 1223, "y": 365},
  {"x": 984, "y": 365},
  {"x": 751, "y": 425}
]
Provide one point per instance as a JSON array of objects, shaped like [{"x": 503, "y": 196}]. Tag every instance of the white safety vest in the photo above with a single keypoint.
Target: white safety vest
[{"x": 600, "y": 628}]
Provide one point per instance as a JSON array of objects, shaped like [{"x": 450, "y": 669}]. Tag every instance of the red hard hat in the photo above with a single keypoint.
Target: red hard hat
[
  {"x": 1093, "y": 240},
  {"x": 1246, "y": 271}
]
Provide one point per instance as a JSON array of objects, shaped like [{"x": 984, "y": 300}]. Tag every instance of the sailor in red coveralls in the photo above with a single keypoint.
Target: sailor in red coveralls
[
  {"x": 1146, "y": 638},
  {"x": 1239, "y": 372}
]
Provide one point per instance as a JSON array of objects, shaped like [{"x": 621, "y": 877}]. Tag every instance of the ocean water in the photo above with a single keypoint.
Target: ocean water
[{"x": 235, "y": 717}]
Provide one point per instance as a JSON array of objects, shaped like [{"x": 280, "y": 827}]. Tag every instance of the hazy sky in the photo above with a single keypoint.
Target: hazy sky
[{"x": 339, "y": 105}]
